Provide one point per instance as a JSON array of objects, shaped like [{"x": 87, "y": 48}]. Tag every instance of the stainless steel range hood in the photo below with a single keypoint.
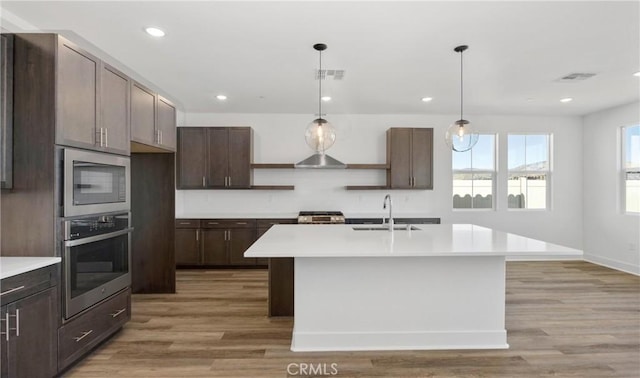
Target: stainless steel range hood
[{"x": 320, "y": 161}]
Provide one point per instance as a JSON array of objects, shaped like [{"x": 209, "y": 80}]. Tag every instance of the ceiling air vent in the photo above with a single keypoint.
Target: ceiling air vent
[
  {"x": 575, "y": 77},
  {"x": 329, "y": 74}
]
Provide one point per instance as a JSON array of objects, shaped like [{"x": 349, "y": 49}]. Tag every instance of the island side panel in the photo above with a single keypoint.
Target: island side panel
[{"x": 399, "y": 303}]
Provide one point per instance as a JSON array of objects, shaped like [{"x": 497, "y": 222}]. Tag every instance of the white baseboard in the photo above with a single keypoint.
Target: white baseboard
[
  {"x": 613, "y": 264},
  {"x": 419, "y": 340}
]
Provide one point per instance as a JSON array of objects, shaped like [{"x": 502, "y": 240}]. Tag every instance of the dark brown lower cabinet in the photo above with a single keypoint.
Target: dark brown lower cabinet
[
  {"x": 220, "y": 242},
  {"x": 88, "y": 329},
  {"x": 31, "y": 310}
]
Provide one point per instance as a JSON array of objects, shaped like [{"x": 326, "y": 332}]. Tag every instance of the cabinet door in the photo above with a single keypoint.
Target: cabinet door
[
  {"x": 214, "y": 247},
  {"x": 218, "y": 159},
  {"x": 4, "y": 352},
  {"x": 239, "y": 241},
  {"x": 77, "y": 93},
  {"x": 32, "y": 346},
  {"x": 166, "y": 123},
  {"x": 191, "y": 157},
  {"x": 188, "y": 246},
  {"x": 114, "y": 109},
  {"x": 422, "y": 158},
  {"x": 143, "y": 115},
  {"x": 399, "y": 157},
  {"x": 239, "y": 157}
]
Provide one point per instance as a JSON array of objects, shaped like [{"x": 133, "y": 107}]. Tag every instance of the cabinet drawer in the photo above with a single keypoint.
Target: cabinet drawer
[
  {"x": 187, "y": 223},
  {"x": 228, "y": 223},
  {"x": 88, "y": 329},
  {"x": 25, "y": 284},
  {"x": 266, "y": 223}
]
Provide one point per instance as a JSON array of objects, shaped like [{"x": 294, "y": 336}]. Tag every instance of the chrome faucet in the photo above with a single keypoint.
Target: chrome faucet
[{"x": 384, "y": 206}]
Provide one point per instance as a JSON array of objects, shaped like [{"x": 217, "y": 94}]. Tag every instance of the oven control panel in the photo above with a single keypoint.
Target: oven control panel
[{"x": 83, "y": 227}]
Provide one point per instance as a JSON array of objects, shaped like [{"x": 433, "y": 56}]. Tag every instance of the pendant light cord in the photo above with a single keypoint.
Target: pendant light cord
[
  {"x": 320, "y": 88},
  {"x": 461, "y": 87}
]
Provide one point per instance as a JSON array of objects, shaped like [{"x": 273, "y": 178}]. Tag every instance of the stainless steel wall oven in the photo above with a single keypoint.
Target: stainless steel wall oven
[{"x": 97, "y": 259}]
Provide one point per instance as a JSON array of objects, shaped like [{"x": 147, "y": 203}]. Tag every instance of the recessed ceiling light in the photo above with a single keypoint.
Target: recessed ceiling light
[
  {"x": 154, "y": 32},
  {"x": 637, "y": 74},
  {"x": 427, "y": 99},
  {"x": 566, "y": 99},
  {"x": 326, "y": 98},
  {"x": 221, "y": 97}
]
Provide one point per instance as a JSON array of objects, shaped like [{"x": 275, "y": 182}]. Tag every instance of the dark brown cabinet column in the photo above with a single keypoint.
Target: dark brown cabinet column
[{"x": 152, "y": 217}]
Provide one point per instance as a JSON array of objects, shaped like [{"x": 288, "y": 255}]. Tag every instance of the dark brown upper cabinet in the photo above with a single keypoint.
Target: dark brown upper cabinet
[
  {"x": 114, "y": 131},
  {"x": 91, "y": 98},
  {"x": 143, "y": 115},
  {"x": 6, "y": 111},
  {"x": 77, "y": 96},
  {"x": 214, "y": 157},
  {"x": 166, "y": 123},
  {"x": 410, "y": 157},
  {"x": 153, "y": 119}
]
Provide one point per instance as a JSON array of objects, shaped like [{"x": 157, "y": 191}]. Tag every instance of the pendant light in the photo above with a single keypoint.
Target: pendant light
[
  {"x": 320, "y": 134},
  {"x": 461, "y": 136}
]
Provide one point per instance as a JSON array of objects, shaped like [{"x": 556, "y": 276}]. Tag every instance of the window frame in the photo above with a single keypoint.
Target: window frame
[
  {"x": 493, "y": 173},
  {"x": 548, "y": 172},
  {"x": 624, "y": 170}
]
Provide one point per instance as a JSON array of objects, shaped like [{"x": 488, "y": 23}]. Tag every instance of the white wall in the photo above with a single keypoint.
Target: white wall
[
  {"x": 278, "y": 138},
  {"x": 610, "y": 237}
]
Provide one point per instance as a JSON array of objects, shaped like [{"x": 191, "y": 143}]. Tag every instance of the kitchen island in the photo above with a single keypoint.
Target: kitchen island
[{"x": 436, "y": 287}]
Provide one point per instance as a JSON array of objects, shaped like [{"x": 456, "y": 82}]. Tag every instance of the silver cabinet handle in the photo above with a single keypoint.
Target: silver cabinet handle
[
  {"x": 241, "y": 222},
  {"x": 6, "y": 325},
  {"x": 229, "y": 233},
  {"x": 84, "y": 334},
  {"x": 11, "y": 290},
  {"x": 115, "y": 314},
  {"x": 17, "y": 316},
  {"x": 185, "y": 223},
  {"x": 197, "y": 235},
  {"x": 204, "y": 183},
  {"x": 212, "y": 222},
  {"x": 106, "y": 137},
  {"x": 229, "y": 180}
]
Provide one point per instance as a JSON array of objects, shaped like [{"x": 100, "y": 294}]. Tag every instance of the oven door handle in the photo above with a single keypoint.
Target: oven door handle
[{"x": 91, "y": 239}]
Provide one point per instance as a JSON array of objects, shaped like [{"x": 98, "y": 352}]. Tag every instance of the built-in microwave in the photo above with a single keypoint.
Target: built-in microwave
[{"x": 95, "y": 182}]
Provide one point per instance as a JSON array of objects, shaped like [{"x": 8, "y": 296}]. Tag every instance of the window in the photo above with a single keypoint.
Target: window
[
  {"x": 529, "y": 171},
  {"x": 631, "y": 168},
  {"x": 474, "y": 175}
]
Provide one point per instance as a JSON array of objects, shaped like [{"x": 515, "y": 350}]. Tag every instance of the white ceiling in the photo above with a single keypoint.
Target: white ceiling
[{"x": 260, "y": 54}]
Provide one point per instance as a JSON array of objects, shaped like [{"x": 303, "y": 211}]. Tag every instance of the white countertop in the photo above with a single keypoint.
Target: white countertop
[
  {"x": 285, "y": 215},
  {"x": 12, "y": 266},
  {"x": 430, "y": 240},
  {"x": 237, "y": 216}
]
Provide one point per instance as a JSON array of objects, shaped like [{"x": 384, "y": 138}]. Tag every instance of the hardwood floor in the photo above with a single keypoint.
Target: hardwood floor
[{"x": 564, "y": 319}]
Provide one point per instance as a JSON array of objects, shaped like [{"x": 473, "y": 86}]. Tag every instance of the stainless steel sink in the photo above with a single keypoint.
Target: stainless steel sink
[{"x": 382, "y": 228}]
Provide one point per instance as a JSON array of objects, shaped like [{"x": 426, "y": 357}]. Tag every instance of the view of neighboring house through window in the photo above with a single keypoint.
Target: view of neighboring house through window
[
  {"x": 529, "y": 166},
  {"x": 631, "y": 168},
  {"x": 474, "y": 175}
]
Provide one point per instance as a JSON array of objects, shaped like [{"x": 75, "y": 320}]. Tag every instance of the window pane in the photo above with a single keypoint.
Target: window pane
[
  {"x": 537, "y": 152},
  {"x": 527, "y": 191},
  {"x": 516, "y": 152},
  {"x": 472, "y": 191},
  {"x": 632, "y": 188},
  {"x": 461, "y": 160},
  {"x": 632, "y": 147},
  {"x": 482, "y": 153}
]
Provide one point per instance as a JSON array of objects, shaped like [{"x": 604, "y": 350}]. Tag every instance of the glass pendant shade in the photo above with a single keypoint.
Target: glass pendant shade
[
  {"x": 320, "y": 135},
  {"x": 461, "y": 136}
]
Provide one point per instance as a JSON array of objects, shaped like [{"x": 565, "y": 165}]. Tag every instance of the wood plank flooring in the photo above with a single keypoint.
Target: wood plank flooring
[{"x": 564, "y": 319}]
